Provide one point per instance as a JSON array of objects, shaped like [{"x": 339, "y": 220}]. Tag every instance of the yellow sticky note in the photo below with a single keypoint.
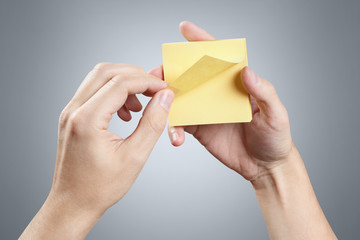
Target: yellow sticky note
[{"x": 205, "y": 77}]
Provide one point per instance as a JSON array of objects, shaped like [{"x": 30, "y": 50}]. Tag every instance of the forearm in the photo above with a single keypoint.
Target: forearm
[
  {"x": 59, "y": 219},
  {"x": 289, "y": 204}
]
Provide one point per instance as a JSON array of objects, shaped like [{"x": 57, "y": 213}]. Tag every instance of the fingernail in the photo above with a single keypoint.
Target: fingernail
[
  {"x": 173, "y": 134},
  {"x": 254, "y": 78},
  {"x": 166, "y": 99}
]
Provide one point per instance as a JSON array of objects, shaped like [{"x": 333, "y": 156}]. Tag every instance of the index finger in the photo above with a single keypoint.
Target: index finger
[{"x": 112, "y": 96}]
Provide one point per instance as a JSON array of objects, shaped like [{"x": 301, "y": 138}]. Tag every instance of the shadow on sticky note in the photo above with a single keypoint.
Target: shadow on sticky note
[{"x": 205, "y": 78}]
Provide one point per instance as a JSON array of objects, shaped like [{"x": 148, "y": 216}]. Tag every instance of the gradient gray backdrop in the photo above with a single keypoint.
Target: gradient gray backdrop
[{"x": 308, "y": 50}]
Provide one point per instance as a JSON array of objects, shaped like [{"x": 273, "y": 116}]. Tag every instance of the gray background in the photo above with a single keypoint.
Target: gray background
[{"x": 308, "y": 50}]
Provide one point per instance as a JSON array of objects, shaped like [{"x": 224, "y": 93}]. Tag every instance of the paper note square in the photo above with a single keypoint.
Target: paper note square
[{"x": 205, "y": 76}]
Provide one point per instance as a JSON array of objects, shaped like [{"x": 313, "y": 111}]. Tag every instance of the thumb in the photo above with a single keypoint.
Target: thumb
[
  {"x": 263, "y": 92},
  {"x": 152, "y": 123}
]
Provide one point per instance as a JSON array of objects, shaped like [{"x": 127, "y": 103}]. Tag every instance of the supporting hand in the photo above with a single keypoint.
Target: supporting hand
[
  {"x": 251, "y": 149},
  {"x": 263, "y": 153}
]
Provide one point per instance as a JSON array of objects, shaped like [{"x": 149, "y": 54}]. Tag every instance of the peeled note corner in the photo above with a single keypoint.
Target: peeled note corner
[{"x": 205, "y": 77}]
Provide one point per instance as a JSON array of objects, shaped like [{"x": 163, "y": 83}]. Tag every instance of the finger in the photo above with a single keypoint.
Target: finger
[
  {"x": 98, "y": 77},
  {"x": 157, "y": 72},
  {"x": 152, "y": 123},
  {"x": 124, "y": 114},
  {"x": 176, "y": 135},
  {"x": 148, "y": 94},
  {"x": 263, "y": 92},
  {"x": 110, "y": 98},
  {"x": 133, "y": 104},
  {"x": 192, "y": 32}
]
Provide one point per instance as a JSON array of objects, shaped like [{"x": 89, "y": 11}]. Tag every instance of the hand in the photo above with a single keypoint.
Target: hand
[
  {"x": 95, "y": 167},
  {"x": 251, "y": 149},
  {"x": 262, "y": 152}
]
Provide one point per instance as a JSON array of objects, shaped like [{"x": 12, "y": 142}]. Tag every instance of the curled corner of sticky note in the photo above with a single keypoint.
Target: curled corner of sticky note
[{"x": 205, "y": 69}]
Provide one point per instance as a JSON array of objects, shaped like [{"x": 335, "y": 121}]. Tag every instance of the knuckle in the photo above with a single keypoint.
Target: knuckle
[
  {"x": 283, "y": 117},
  {"x": 77, "y": 121},
  {"x": 122, "y": 69},
  {"x": 271, "y": 89},
  {"x": 279, "y": 120},
  {"x": 64, "y": 116},
  {"x": 119, "y": 80},
  {"x": 268, "y": 87},
  {"x": 139, "y": 69},
  {"x": 131, "y": 69},
  {"x": 102, "y": 67},
  {"x": 126, "y": 75}
]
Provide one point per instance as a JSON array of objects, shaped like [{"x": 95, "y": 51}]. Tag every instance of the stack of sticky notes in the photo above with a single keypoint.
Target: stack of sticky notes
[{"x": 205, "y": 77}]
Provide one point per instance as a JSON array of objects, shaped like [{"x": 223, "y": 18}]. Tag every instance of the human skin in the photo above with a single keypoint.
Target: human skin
[
  {"x": 95, "y": 167},
  {"x": 263, "y": 152}
]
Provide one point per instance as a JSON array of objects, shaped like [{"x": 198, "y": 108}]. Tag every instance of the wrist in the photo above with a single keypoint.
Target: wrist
[
  {"x": 280, "y": 185},
  {"x": 274, "y": 177},
  {"x": 70, "y": 217},
  {"x": 288, "y": 202},
  {"x": 60, "y": 218}
]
